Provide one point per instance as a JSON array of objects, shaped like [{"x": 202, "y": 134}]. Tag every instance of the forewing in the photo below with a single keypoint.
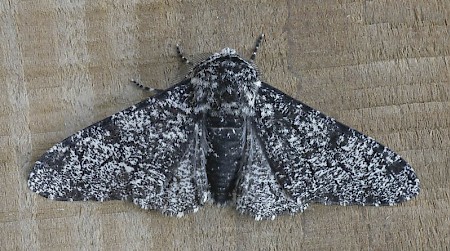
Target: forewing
[
  {"x": 152, "y": 153},
  {"x": 316, "y": 158}
]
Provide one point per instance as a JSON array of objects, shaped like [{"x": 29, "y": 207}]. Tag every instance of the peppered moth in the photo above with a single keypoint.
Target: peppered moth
[{"x": 223, "y": 135}]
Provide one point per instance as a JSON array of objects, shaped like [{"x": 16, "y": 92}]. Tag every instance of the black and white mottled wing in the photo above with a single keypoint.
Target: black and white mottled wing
[
  {"x": 258, "y": 192},
  {"x": 152, "y": 153},
  {"x": 317, "y": 159}
]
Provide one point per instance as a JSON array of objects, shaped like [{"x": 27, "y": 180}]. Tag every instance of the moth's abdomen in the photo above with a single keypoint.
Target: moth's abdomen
[{"x": 223, "y": 161}]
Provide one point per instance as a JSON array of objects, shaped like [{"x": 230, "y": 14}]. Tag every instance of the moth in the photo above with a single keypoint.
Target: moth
[{"x": 223, "y": 135}]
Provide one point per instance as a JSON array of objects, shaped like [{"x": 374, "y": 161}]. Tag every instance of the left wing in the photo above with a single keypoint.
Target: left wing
[{"x": 153, "y": 154}]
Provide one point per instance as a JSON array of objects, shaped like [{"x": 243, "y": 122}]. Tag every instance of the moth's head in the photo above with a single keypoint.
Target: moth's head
[
  {"x": 227, "y": 51},
  {"x": 225, "y": 83},
  {"x": 225, "y": 66}
]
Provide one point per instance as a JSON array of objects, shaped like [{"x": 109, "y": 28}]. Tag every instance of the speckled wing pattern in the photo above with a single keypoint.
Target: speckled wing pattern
[
  {"x": 317, "y": 159},
  {"x": 258, "y": 192},
  {"x": 152, "y": 153}
]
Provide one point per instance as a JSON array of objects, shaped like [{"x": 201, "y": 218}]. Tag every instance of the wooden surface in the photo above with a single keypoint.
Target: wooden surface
[{"x": 381, "y": 67}]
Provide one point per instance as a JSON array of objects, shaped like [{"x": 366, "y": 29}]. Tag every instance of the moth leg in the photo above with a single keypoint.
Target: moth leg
[
  {"x": 145, "y": 88},
  {"x": 258, "y": 43},
  {"x": 182, "y": 57}
]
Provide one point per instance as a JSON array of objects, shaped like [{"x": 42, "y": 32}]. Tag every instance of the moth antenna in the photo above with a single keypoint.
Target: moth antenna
[
  {"x": 145, "y": 88},
  {"x": 182, "y": 57},
  {"x": 258, "y": 43}
]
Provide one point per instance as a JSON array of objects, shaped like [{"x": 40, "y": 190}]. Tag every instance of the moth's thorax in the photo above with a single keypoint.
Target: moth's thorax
[{"x": 225, "y": 85}]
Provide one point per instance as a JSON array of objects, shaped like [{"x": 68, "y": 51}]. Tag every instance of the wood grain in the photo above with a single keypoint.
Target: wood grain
[{"x": 379, "y": 66}]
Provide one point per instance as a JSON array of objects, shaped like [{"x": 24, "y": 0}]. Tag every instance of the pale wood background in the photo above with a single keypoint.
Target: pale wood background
[{"x": 379, "y": 66}]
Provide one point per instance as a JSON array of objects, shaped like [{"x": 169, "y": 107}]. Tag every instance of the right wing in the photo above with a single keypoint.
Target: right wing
[
  {"x": 258, "y": 192},
  {"x": 315, "y": 158},
  {"x": 153, "y": 153}
]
